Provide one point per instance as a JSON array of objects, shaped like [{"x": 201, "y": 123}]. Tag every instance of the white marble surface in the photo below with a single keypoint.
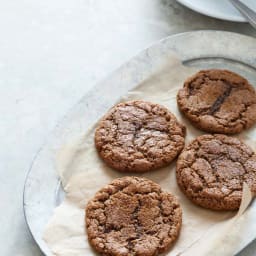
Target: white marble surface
[{"x": 51, "y": 53}]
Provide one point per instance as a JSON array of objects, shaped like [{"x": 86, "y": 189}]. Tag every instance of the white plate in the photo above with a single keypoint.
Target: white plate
[
  {"x": 221, "y": 9},
  {"x": 204, "y": 49}
]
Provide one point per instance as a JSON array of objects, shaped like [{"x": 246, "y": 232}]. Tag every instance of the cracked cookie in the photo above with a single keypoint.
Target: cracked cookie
[
  {"x": 218, "y": 101},
  {"x": 212, "y": 168},
  {"x": 139, "y": 136},
  {"x": 132, "y": 216}
]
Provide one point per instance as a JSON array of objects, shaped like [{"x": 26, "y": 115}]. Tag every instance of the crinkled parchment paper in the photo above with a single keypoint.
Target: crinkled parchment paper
[{"x": 204, "y": 232}]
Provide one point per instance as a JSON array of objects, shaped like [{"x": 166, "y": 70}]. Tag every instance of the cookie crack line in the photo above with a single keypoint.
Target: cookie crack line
[
  {"x": 220, "y": 100},
  {"x": 137, "y": 226},
  {"x": 162, "y": 214}
]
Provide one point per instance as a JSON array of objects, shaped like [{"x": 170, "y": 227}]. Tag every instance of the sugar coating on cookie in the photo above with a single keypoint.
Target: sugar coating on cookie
[
  {"x": 139, "y": 136},
  {"x": 212, "y": 168},
  {"x": 132, "y": 216},
  {"x": 218, "y": 101}
]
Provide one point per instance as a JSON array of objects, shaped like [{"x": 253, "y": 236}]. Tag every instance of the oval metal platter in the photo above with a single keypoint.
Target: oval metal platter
[{"x": 203, "y": 49}]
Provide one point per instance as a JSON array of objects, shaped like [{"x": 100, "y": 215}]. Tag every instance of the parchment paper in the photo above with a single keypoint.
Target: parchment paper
[{"x": 204, "y": 232}]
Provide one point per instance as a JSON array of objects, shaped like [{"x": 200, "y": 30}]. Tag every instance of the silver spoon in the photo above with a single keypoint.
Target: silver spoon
[{"x": 247, "y": 12}]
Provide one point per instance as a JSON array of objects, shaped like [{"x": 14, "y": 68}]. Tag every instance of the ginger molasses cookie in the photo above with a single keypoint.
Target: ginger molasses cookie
[
  {"x": 218, "y": 101},
  {"x": 212, "y": 168},
  {"x": 132, "y": 216},
  {"x": 139, "y": 136}
]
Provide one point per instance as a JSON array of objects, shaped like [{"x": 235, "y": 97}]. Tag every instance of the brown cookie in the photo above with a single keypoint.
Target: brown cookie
[
  {"x": 139, "y": 136},
  {"x": 218, "y": 101},
  {"x": 212, "y": 168},
  {"x": 132, "y": 216}
]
